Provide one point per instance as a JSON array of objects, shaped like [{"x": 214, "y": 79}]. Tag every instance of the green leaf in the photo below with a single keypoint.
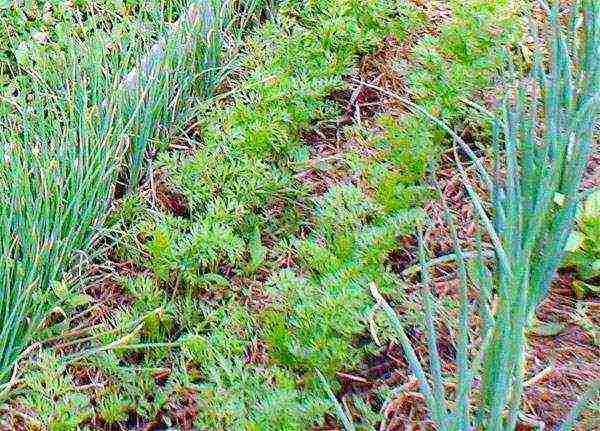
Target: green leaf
[
  {"x": 80, "y": 299},
  {"x": 5, "y": 4},
  {"x": 582, "y": 288},
  {"x": 575, "y": 241},
  {"x": 591, "y": 208}
]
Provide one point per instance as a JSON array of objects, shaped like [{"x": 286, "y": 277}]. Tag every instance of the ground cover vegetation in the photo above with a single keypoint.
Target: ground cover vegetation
[{"x": 209, "y": 210}]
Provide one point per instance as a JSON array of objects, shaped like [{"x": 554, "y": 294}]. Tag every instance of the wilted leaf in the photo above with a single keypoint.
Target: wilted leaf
[
  {"x": 22, "y": 53},
  {"x": 39, "y": 36},
  {"x": 58, "y": 311}
]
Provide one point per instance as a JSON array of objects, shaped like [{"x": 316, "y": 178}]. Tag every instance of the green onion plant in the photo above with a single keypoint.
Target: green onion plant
[
  {"x": 58, "y": 158},
  {"x": 541, "y": 145},
  {"x": 91, "y": 112},
  {"x": 181, "y": 64}
]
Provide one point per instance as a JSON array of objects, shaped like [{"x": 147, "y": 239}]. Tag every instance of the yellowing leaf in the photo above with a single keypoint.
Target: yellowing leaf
[
  {"x": 582, "y": 288},
  {"x": 60, "y": 289}
]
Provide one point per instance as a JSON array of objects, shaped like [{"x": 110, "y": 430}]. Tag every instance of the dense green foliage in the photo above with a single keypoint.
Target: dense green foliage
[
  {"x": 61, "y": 153},
  {"x": 246, "y": 274},
  {"x": 57, "y": 169},
  {"x": 32, "y": 28}
]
